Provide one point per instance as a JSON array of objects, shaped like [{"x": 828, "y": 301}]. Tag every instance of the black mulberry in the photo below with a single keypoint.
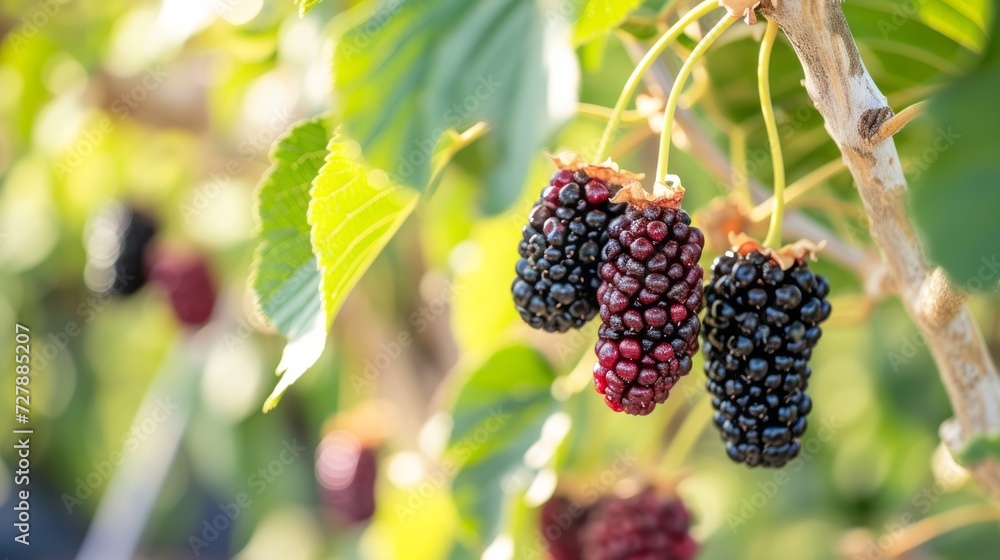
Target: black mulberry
[
  {"x": 118, "y": 240},
  {"x": 650, "y": 298},
  {"x": 764, "y": 311},
  {"x": 556, "y": 284}
]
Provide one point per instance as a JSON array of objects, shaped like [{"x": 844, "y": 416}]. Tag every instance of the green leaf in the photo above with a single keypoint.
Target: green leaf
[
  {"x": 601, "y": 16},
  {"x": 955, "y": 194},
  {"x": 306, "y": 5},
  {"x": 354, "y": 213},
  {"x": 417, "y": 69},
  {"x": 285, "y": 277},
  {"x": 498, "y": 415}
]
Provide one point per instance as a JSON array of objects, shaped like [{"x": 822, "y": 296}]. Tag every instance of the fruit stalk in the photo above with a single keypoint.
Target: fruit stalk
[
  {"x": 640, "y": 70},
  {"x": 675, "y": 92},
  {"x": 773, "y": 238}
]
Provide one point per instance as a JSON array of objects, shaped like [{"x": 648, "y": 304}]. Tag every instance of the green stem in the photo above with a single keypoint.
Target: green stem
[
  {"x": 675, "y": 92},
  {"x": 764, "y": 88},
  {"x": 644, "y": 65}
]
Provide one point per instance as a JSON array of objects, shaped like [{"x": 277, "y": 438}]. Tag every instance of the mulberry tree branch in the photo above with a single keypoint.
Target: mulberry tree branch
[{"x": 854, "y": 110}]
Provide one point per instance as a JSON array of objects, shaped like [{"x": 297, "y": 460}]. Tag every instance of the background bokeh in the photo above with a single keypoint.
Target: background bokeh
[{"x": 173, "y": 105}]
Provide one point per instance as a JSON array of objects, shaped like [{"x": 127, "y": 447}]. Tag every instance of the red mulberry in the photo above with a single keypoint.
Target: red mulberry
[
  {"x": 347, "y": 471},
  {"x": 561, "y": 521},
  {"x": 188, "y": 284},
  {"x": 557, "y": 281},
  {"x": 764, "y": 312},
  {"x": 649, "y": 300},
  {"x": 643, "y": 526}
]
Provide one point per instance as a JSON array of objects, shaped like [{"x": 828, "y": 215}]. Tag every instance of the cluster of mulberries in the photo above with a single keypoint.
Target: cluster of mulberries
[
  {"x": 649, "y": 299},
  {"x": 643, "y": 526},
  {"x": 762, "y": 323},
  {"x": 561, "y": 244},
  {"x": 121, "y": 260}
]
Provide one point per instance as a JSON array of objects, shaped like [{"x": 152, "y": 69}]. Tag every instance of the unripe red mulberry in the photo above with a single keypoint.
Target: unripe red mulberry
[
  {"x": 347, "y": 471},
  {"x": 650, "y": 298},
  {"x": 764, "y": 312},
  {"x": 188, "y": 284},
  {"x": 561, "y": 521},
  {"x": 561, "y": 244},
  {"x": 645, "y": 526}
]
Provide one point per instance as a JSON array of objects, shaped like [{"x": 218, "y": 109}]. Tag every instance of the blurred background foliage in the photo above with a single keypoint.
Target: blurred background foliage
[{"x": 175, "y": 104}]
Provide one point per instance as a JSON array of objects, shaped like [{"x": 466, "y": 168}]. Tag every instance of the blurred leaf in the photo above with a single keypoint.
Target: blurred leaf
[
  {"x": 405, "y": 77},
  {"x": 353, "y": 213},
  {"x": 498, "y": 415},
  {"x": 306, "y": 5},
  {"x": 955, "y": 197},
  {"x": 421, "y": 513},
  {"x": 285, "y": 277},
  {"x": 448, "y": 147},
  {"x": 601, "y": 16}
]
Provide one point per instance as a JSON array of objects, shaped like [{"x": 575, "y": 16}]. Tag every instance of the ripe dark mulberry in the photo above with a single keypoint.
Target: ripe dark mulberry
[
  {"x": 188, "y": 284},
  {"x": 640, "y": 527},
  {"x": 760, "y": 329},
  {"x": 561, "y": 244},
  {"x": 650, "y": 298},
  {"x": 118, "y": 241}
]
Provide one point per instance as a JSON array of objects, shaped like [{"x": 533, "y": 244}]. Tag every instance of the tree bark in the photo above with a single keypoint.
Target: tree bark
[{"x": 854, "y": 109}]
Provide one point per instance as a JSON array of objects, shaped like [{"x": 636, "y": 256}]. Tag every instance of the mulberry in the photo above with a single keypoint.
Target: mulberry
[
  {"x": 347, "y": 471},
  {"x": 188, "y": 284},
  {"x": 118, "y": 241},
  {"x": 764, "y": 313},
  {"x": 561, "y": 522},
  {"x": 649, "y": 300},
  {"x": 556, "y": 284},
  {"x": 643, "y": 526}
]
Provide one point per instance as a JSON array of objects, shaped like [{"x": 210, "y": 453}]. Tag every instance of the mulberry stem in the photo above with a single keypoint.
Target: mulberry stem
[
  {"x": 764, "y": 88},
  {"x": 640, "y": 70},
  {"x": 675, "y": 92}
]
